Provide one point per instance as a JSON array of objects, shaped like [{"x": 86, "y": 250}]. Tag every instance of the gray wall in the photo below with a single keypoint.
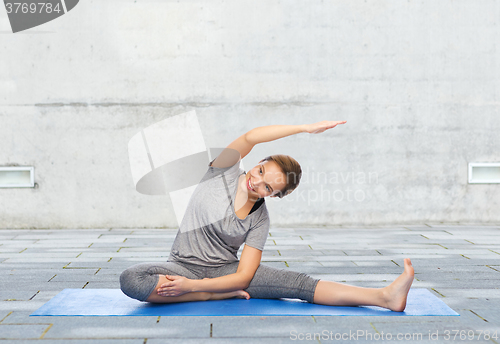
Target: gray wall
[{"x": 417, "y": 81}]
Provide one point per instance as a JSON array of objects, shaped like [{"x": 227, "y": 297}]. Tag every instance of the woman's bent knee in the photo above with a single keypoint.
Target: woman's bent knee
[{"x": 137, "y": 282}]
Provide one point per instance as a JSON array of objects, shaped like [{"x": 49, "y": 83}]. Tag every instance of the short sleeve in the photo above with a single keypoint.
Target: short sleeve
[
  {"x": 231, "y": 173},
  {"x": 257, "y": 235}
]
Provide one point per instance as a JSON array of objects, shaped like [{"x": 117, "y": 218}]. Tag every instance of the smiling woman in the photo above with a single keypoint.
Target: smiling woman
[
  {"x": 226, "y": 210},
  {"x": 281, "y": 170}
]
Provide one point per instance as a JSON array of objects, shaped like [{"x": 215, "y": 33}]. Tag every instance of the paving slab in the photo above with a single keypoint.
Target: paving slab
[
  {"x": 117, "y": 327},
  {"x": 18, "y": 243},
  {"x": 462, "y": 284},
  {"x": 300, "y": 253},
  {"x": 17, "y": 295},
  {"x": 24, "y": 331},
  {"x": 269, "y": 326},
  {"x": 467, "y": 293}
]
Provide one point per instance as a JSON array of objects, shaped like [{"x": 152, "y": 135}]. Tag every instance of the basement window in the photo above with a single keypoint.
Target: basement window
[
  {"x": 484, "y": 172},
  {"x": 17, "y": 177}
]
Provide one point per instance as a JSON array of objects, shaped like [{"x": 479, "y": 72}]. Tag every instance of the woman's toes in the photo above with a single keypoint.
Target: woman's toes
[{"x": 241, "y": 294}]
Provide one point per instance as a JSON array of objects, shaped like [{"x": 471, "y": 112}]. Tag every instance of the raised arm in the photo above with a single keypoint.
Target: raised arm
[{"x": 244, "y": 144}]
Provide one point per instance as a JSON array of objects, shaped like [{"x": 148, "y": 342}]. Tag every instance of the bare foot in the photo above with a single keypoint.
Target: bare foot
[
  {"x": 395, "y": 294},
  {"x": 240, "y": 294}
]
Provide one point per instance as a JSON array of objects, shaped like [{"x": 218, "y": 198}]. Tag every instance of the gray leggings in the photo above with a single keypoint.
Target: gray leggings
[{"x": 140, "y": 280}]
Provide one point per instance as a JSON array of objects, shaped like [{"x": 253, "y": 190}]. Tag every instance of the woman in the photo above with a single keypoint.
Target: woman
[{"x": 226, "y": 210}]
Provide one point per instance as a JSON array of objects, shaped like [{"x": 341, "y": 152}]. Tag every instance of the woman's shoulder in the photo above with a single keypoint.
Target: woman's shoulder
[
  {"x": 230, "y": 172},
  {"x": 226, "y": 159}
]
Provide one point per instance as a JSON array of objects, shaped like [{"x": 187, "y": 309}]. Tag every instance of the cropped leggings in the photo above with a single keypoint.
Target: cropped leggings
[{"x": 140, "y": 280}]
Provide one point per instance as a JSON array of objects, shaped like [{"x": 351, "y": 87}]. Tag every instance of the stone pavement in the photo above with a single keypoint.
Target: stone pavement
[{"x": 460, "y": 264}]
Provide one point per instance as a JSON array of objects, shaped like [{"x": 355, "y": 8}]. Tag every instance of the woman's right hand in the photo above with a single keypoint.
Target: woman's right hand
[
  {"x": 320, "y": 127},
  {"x": 176, "y": 286}
]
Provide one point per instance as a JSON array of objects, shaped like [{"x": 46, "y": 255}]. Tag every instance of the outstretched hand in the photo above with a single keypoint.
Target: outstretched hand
[
  {"x": 177, "y": 286},
  {"x": 320, "y": 127}
]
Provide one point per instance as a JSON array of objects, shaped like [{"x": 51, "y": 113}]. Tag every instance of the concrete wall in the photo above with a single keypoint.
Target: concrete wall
[{"x": 417, "y": 81}]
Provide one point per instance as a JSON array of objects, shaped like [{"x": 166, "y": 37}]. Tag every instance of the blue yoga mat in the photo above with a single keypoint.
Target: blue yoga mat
[{"x": 112, "y": 302}]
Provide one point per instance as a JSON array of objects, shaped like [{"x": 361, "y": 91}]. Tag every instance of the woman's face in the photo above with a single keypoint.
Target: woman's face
[{"x": 265, "y": 179}]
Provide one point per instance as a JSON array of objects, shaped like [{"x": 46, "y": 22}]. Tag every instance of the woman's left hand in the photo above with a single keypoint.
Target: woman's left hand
[
  {"x": 177, "y": 286},
  {"x": 316, "y": 128}
]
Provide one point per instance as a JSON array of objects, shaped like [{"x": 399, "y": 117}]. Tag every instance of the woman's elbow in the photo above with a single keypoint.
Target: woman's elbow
[
  {"x": 245, "y": 281},
  {"x": 245, "y": 284}
]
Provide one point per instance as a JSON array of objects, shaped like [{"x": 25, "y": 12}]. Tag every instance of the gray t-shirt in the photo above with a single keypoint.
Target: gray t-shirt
[{"x": 210, "y": 233}]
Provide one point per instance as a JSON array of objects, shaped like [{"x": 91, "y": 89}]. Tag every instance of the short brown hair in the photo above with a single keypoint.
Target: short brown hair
[{"x": 290, "y": 168}]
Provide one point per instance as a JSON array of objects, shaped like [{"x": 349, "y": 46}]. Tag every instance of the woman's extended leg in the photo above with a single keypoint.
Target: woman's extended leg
[
  {"x": 272, "y": 283},
  {"x": 392, "y": 297}
]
